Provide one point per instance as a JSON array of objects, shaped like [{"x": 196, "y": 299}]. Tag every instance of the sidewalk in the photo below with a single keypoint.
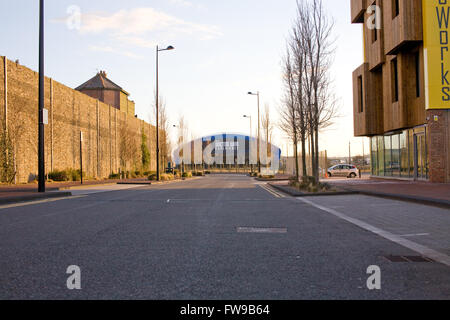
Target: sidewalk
[
  {"x": 423, "y": 192},
  {"x": 29, "y": 191}
]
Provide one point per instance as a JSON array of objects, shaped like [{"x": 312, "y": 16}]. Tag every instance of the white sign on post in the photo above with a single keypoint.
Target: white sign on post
[{"x": 45, "y": 116}]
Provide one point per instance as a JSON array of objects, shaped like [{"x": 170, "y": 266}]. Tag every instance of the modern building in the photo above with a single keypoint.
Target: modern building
[
  {"x": 401, "y": 92},
  {"x": 228, "y": 151},
  {"x": 103, "y": 89}
]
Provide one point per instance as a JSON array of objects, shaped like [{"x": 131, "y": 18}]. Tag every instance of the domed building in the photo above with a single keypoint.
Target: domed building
[{"x": 228, "y": 151}]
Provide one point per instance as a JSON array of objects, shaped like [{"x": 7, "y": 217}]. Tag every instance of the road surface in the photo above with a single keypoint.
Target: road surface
[{"x": 218, "y": 237}]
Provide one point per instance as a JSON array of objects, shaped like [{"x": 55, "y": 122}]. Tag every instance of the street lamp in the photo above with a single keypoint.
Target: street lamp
[
  {"x": 157, "y": 108},
  {"x": 41, "y": 164},
  {"x": 259, "y": 162}
]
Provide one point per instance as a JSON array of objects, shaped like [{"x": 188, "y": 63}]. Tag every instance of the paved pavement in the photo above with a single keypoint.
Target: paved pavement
[
  {"x": 29, "y": 191},
  {"x": 437, "y": 191},
  {"x": 219, "y": 237}
]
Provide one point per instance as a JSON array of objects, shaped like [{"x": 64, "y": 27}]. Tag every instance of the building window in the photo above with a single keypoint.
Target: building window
[
  {"x": 374, "y": 155},
  {"x": 360, "y": 95},
  {"x": 417, "y": 67},
  {"x": 387, "y": 156},
  {"x": 395, "y": 8},
  {"x": 374, "y": 30},
  {"x": 395, "y": 152},
  {"x": 380, "y": 150},
  {"x": 404, "y": 154},
  {"x": 394, "y": 69}
]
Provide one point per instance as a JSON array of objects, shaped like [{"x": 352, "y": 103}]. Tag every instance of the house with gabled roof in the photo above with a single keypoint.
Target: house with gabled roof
[{"x": 105, "y": 90}]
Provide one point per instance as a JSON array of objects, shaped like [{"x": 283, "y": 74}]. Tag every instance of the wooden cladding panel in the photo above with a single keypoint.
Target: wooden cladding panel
[
  {"x": 403, "y": 28},
  {"x": 368, "y": 120},
  {"x": 358, "y": 7}
]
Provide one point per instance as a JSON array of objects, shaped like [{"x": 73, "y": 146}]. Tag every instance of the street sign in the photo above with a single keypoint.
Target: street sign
[{"x": 45, "y": 116}]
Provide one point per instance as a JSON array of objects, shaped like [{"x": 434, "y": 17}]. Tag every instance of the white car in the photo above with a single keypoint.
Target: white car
[{"x": 343, "y": 170}]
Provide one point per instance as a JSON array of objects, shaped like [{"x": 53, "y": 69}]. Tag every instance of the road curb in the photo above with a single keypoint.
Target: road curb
[
  {"x": 37, "y": 196},
  {"x": 77, "y": 187},
  {"x": 158, "y": 182},
  {"x": 296, "y": 193}
]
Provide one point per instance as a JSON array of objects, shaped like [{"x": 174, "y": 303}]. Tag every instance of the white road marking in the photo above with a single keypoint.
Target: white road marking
[
  {"x": 271, "y": 191},
  {"x": 29, "y": 203},
  {"x": 422, "y": 250},
  {"x": 260, "y": 230},
  {"x": 414, "y": 235}
]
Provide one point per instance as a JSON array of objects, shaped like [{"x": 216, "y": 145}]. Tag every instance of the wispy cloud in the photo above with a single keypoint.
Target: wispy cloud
[
  {"x": 116, "y": 51},
  {"x": 137, "y": 25},
  {"x": 187, "y": 4},
  {"x": 182, "y": 3}
]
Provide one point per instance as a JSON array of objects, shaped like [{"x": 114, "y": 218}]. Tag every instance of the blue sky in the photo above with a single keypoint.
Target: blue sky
[{"x": 223, "y": 50}]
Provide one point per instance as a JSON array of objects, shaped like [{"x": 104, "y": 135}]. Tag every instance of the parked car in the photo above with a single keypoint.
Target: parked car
[{"x": 343, "y": 170}]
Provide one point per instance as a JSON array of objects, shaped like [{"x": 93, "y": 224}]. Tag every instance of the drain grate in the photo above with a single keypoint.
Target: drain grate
[{"x": 392, "y": 258}]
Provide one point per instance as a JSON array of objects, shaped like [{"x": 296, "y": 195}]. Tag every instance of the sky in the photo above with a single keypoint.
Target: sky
[{"x": 223, "y": 49}]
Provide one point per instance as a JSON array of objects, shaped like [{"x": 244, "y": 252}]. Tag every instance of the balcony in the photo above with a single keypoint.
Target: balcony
[
  {"x": 402, "y": 24},
  {"x": 358, "y": 8},
  {"x": 367, "y": 101}
]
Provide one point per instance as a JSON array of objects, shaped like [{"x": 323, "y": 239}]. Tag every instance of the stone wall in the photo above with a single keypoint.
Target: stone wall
[{"x": 111, "y": 138}]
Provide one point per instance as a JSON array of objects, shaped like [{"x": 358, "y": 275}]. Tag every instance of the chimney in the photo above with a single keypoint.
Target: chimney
[{"x": 103, "y": 74}]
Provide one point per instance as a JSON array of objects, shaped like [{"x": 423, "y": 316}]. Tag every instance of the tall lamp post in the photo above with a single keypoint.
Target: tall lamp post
[
  {"x": 41, "y": 164},
  {"x": 258, "y": 148},
  {"x": 249, "y": 137},
  {"x": 157, "y": 108}
]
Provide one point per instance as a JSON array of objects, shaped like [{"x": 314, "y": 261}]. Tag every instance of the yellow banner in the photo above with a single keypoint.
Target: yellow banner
[{"x": 436, "y": 22}]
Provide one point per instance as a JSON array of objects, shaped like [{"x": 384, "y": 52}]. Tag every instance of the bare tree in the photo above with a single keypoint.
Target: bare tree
[
  {"x": 267, "y": 127},
  {"x": 164, "y": 139},
  {"x": 164, "y": 127},
  {"x": 288, "y": 111},
  {"x": 182, "y": 136},
  {"x": 312, "y": 47},
  {"x": 10, "y": 137}
]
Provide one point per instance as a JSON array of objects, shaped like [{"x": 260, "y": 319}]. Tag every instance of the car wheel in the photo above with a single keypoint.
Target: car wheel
[
  {"x": 352, "y": 175},
  {"x": 329, "y": 175}
]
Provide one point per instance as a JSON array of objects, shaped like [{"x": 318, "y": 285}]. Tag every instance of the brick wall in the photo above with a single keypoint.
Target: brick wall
[
  {"x": 439, "y": 145},
  {"x": 105, "y": 129}
]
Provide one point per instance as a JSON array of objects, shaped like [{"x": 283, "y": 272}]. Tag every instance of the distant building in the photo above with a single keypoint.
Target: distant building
[
  {"x": 228, "y": 151},
  {"x": 103, "y": 89}
]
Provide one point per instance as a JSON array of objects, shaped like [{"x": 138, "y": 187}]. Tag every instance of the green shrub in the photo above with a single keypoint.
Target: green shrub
[
  {"x": 207, "y": 172},
  {"x": 152, "y": 177},
  {"x": 75, "y": 174},
  {"x": 66, "y": 175},
  {"x": 187, "y": 174},
  {"x": 198, "y": 174},
  {"x": 58, "y": 175},
  {"x": 114, "y": 176}
]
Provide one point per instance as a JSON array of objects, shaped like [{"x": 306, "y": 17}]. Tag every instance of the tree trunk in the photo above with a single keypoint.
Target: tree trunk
[{"x": 296, "y": 156}]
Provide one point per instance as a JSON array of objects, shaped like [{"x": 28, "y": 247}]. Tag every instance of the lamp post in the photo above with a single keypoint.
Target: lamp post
[
  {"x": 249, "y": 137},
  {"x": 258, "y": 148},
  {"x": 157, "y": 108},
  {"x": 41, "y": 164}
]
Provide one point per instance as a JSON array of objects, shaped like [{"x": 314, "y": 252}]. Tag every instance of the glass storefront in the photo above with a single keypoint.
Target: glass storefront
[{"x": 400, "y": 154}]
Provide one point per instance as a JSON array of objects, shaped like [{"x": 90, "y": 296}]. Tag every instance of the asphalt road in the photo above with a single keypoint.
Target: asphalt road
[{"x": 197, "y": 240}]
